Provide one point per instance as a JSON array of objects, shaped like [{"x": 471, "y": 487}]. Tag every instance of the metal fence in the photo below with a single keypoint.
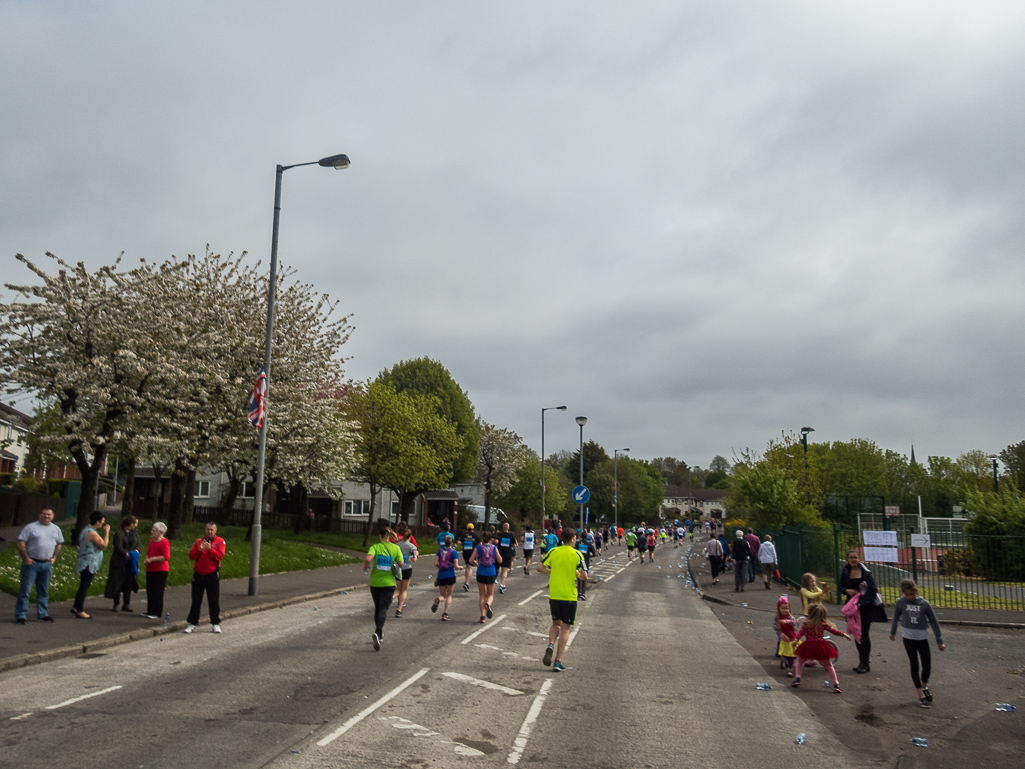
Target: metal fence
[{"x": 958, "y": 570}]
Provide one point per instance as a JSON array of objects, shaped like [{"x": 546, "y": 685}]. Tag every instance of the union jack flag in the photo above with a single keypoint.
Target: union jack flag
[{"x": 258, "y": 405}]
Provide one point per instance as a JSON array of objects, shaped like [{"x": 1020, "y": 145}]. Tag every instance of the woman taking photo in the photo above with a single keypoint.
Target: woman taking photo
[
  {"x": 124, "y": 566},
  {"x": 90, "y": 557},
  {"x": 158, "y": 564},
  {"x": 857, "y": 580},
  {"x": 379, "y": 562}
]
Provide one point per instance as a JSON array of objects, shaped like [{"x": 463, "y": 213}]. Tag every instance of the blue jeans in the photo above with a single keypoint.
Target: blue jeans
[{"x": 38, "y": 573}]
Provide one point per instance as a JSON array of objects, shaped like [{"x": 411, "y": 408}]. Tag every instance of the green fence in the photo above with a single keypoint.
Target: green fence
[{"x": 961, "y": 571}]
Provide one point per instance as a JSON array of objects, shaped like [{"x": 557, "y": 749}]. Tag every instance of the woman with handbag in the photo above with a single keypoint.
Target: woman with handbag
[
  {"x": 384, "y": 562},
  {"x": 857, "y": 580}
]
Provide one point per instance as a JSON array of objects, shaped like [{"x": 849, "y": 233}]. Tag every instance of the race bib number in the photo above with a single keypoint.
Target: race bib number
[
  {"x": 528, "y": 541},
  {"x": 383, "y": 563}
]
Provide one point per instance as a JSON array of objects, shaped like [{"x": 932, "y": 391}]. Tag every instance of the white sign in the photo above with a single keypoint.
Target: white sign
[
  {"x": 880, "y": 538},
  {"x": 881, "y": 554},
  {"x": 921, "y": 540},
  {"x": 892, "y": 511}
]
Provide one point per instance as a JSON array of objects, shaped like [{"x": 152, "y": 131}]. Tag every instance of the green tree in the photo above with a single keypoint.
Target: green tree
[
  {"x": 718, "y": 474},
  {"x": 428, "y": 377},
  {"x": 593, "y": 455},
  {"x": 765, "y": 495},
  {"x": 641, "y": 490},
  {"x": 675, "y": 471},
  {"x": 852, "y": 468},
  {"x": 524, "y": 494},
  {"x": 1013, "y": 458}
]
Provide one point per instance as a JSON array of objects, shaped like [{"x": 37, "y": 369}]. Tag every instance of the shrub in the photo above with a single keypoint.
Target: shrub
[
  {"x": 6, "y": 479},
  {"x": 956, "y": 563},
  {"x": 28, "y": 484}
]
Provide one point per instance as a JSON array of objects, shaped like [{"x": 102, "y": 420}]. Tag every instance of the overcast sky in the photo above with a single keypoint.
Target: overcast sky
[{"x": 698, "y": 224}]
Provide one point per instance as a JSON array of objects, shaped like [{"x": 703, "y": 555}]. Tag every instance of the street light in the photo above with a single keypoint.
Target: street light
[
  {"x": 582, "y": 421},
  {"x": 338, "y": 162},
  {"x": 550, "y": 408},
  {"x": 996, "y": 482},
  {"x": 804, "y": 440},
  {"x": 615, "y": 483}
]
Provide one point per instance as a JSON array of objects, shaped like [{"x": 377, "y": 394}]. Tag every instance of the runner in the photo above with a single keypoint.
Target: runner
[
  {"x": 620, "y": 533},
  {"x": 676, "y": 537},
  {"x": 550, "y": 542},
  {"x": 484, "y": 557},
  {"x": 507, "y": 550},
  {"x": 527, "y": 541},
  {"x": 565, "y": 565},
  {"x": 446, "y": 562},
  {"x": 586, "y": 550},
  {"x": 378, "y": 562},
  {"x": 652, "y": 541},
  {"x": 470, "y": 541},
  {"x": 407, "y": 544},
  {"x": 631, "y": 540}
]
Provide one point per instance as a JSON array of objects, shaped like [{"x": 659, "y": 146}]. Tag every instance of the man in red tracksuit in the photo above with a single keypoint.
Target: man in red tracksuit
[{"x": 207, "y": 552}]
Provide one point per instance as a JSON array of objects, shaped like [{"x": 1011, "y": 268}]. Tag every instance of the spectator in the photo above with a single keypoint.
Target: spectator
[
  {"x": 767, "y": 559},
  {"x": 39, "y": 544},
  {"x": 158, "y": 565},
  {"x": 740, "y": 553},
  {"x": 90, "y": 557},
  {"x": 207, "y": 552},
  {"x": 753, "y": 546},
  {"x": 714, "y": 551},
  {"x": 122, "y": 577},
  {"x": 857, "y": 580}
]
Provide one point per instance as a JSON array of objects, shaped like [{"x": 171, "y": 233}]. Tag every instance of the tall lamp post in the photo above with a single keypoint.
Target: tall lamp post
[
  {"x": 582, "y": 421},
  {"x": 615, "y": 483},
  {"x": 804, "y": 442},
  {"x": 996, "y": 482},
  {"x": 338, "y": 162},
  {"x": 543, "y": 490}
]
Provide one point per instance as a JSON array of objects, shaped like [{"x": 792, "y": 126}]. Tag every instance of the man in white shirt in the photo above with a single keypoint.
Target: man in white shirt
[{"x": 39, "y": 544}]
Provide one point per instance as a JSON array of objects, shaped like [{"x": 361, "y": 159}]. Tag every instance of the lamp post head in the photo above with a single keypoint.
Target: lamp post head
[
  {"x": 560, "y": 408},
  {"x": 338, "y": 162},
  {"x": 583, "y": 421},
  {"x": 806, "y": 430}
]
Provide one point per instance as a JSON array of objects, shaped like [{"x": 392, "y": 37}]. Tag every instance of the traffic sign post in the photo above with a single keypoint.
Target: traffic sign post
[{"x": 581, "y": 494}]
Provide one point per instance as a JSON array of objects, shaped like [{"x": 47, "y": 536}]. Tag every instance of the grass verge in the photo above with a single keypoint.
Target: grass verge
[{"x": 278, "y": 553}]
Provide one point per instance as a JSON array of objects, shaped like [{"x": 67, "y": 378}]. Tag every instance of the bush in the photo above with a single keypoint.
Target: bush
[
  {"x": 28, "y": 484},
  {"x": 6, "y": 479},
  {"x": 955, "y": 563},
  {"x": 732, "y": 525},
  {"x": 55, "y": 487}
]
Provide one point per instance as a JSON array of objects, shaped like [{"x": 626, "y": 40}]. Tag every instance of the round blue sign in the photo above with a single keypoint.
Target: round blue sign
[{"x": 581, "y": 495}]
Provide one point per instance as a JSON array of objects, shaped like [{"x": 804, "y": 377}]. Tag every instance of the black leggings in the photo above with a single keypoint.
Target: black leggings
[
  {"x": 156, "y": 581},
  {"x": 85, "y": 578},
  {"x": 916, "y": 649},
  {"x": 382, "y": 600},
  {"x": 864, "y": 647}
]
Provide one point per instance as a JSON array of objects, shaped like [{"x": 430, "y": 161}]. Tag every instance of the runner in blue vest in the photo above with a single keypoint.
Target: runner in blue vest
[{"x": 507, "y": 550}]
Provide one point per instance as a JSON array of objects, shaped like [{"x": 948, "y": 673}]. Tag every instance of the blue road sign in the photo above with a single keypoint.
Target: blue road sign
[{"x": 581, "y": 495}]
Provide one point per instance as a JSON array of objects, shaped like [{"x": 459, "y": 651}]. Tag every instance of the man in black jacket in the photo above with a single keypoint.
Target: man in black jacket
[{"x": 740, "y": 553}]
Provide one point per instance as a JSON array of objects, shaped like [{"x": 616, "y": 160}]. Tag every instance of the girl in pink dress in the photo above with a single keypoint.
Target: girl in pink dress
[{"x": 815, "y": 647}]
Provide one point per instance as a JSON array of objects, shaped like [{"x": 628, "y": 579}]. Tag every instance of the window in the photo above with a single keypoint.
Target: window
[
  {"x": 248, "y": 490},
  {"x": 357, "y": 507},
  {"x": 395, "y": 509},
  {"x": 202, "y": 490}
]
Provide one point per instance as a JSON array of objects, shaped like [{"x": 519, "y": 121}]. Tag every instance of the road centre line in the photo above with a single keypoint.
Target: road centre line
[
  {"x": 476, "y": 633},
  {"x": 528, "y": 632},
  {"x": 18, "y": 718},
  {"x": 370, "y": 709},
  {"x": 528, "y": 598},
  {"x": 569, "y": 641},
  {"x": 609, "y": 578},
  {"x": 520, "y": 743},
  {"x": 83, "y": 697},
  {"x": 483, "y": 684}
]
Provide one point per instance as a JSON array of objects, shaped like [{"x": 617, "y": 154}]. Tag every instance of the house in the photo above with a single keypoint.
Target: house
[
  {"x": 14, "y": 430},
  {"x": 684, "y": 502}
]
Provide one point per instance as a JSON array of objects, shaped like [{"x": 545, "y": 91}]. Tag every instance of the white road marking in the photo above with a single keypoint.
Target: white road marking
[
  {"x": 423, "y": 731},
  {"x": 528, "y": 632},
  {"x": 504, "y": 652},
  {"x": 18, "y": 718},
  {"x": 83, "y": 697},
  {"x": 368, "y": 710},
  {"x": 520, "y": 743},
  {"x": 476, "y": 633},
  {"x": 622, "y": 569},
  {"x": 610, "y": 577},
  {"x": 572, "y": 635},
  {"x": 530, "y": 597},
  {"x": 483, "y": 684}
]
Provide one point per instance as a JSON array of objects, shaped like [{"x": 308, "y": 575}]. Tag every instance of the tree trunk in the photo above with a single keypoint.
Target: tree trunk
[
  {"x": 90, "y": 477},
  {"x": 234, "y": 484},
  {"x": 487, "y": 500},
  {"x": 158, "y": 488},
  {"x": 370, "y": 515},
  {"x": 128, "y": 501},
  {"x": 190, "y": 496},
  {"x": 175, "y": 513}
]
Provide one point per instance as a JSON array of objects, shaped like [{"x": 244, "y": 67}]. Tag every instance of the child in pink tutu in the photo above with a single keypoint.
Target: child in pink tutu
[{"x": 815, "y": 647}]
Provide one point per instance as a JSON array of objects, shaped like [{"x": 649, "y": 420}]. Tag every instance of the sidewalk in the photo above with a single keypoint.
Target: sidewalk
[
  {"x": 758, "y": 598},
  {"x": 68, "y": 636}
]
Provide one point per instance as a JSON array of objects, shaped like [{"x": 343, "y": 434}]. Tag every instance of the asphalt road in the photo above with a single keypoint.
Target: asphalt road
[{"x": 654, "y": 680}]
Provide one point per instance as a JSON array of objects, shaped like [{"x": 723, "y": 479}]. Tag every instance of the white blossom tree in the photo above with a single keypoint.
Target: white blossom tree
[{"x": 500, "y": 455}]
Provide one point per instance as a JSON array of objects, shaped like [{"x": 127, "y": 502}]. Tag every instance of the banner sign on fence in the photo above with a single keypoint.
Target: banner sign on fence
[
  {"x": 880, "y": 538},
  {"x": 892, "y": 511},
  {"x": 921, "y": 540},
  {"x": 881, "y": 554}
]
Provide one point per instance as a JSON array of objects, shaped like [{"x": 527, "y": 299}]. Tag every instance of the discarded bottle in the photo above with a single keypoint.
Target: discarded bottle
[
  {"x": 763, "y": 687},
  {"x": 167, "y": 619},
  {"x": 1005, "y": 707},
  {"x": 827, "y": 683},
  {"x": 801, "y": 738},
  {"x": 744, "y": 605},
  {"x": 920, "y": 742}
]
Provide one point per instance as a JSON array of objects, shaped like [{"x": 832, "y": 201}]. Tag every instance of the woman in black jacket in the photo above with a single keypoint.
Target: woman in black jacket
[
  {"x": 121, "y": 579},
  {"x": 856, "y": 579}
]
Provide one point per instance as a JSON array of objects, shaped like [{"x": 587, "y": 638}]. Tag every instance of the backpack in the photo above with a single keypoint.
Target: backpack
[
  {"x": 487, "y": 556},
  {"x": 445, "y": 558}
]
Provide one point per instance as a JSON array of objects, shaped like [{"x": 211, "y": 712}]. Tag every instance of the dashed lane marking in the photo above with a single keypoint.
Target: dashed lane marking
[
  {"x": 572, "y": 635},
  {"x": 368, "y": 710},
  {"x": 520, "y": 743},
  {"x": 504, "y": 652},
  {"x": 18, "y": 718},
  {"x": 483, "y": 684},
  {"x": 422, "y": 731},
  {"x": 476, "y": 633},
  {"x": 528, "y": 632},
  {"x": 83, "y": 697},
  {"x": 530, "y": 597}
]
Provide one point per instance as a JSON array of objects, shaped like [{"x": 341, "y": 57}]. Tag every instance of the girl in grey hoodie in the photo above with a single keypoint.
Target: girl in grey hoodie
[{"x": 913, "y": 613}]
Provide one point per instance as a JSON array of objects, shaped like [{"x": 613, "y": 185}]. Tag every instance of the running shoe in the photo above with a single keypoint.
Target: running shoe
[
  {"x": 837, "y": 689},
  {"x": 558, "y": 667},
  {"x": 466, "y": 588},
  {"x": 547, "y": 659},
  {"x": 501, "y": 588},
  {"x": 923, "y": 702},
  {"x": 189, "y": 628},
  {"x": 444, "y": 618},
  {"x": 487, "y": 610},
  {"x": 376, "y": 640},
  {"x": 398, "y": 613},
  {"x": 797, "y": 682},
  {"x": 927, "y": 693},
  {"x": 434, "y": 606},
  {"x": 216, "y": 629},
  {"x": 482, "y": 620}
]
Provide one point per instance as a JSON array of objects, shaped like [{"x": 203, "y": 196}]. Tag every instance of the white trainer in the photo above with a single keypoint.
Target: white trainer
[
  {"x": 189, "y": 628},
  {"x": 217, "y": 628}
]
